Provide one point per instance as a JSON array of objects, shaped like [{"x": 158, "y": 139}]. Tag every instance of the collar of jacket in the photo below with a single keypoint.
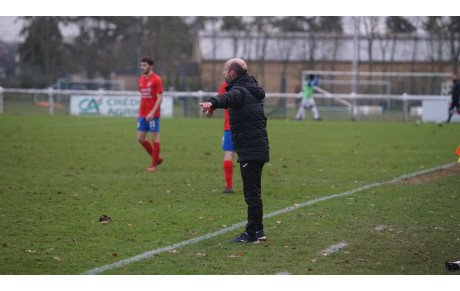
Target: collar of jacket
[{"x": 236, "y": 79}]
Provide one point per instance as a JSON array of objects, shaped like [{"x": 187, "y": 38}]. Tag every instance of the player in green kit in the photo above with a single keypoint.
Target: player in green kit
[{"x": 307, "y": 99}]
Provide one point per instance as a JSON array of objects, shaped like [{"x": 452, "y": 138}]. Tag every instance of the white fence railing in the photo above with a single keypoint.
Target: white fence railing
[{"x": 283, "y": 104}]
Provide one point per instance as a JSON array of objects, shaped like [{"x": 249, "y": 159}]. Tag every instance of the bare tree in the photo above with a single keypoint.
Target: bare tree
[
  {"x": 213, "y": 24},
  {"x": 400, "y": 29},
  {"x": 316, "y": 28},
  {"x": 235, "y": 25},
  {"x": 397, "y": 28},
  {"x": 167, "y": 38},
  {"x": 287, "y": 29},
  {"x": 331, "y": 27},
  {"x": 433, "y": 25},
  {"x": 448, "y": 28},
  {"x": 43, "y": 51},
  {"x": 283, "y": 49},
  {"x": 370, "y": 33},
  {"x": 262, "y": 26}
]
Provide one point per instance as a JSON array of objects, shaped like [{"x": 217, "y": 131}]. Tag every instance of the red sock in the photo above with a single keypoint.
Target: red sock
[
  {"x": 228, "y": 172},
  {"x": 147, "y": 146},
  {"x": 155, "y": 154}
]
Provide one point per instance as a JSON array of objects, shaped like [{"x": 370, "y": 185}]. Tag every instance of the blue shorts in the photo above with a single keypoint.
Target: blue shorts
[
  {"x": 152, "y": 126},
  {"x": 227, "y": 143}
]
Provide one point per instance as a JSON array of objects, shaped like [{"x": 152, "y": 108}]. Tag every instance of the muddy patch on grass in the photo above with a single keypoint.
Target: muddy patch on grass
[{"x": 454, "y": 170}]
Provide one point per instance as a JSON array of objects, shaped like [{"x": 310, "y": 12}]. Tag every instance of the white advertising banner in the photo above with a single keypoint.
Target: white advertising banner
[
  {"x": 113, "y": 105},
  {"x": 437, "y": 111}
]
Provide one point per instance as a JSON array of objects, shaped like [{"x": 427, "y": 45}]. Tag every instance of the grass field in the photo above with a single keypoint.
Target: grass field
[{"x": 60, "y": 174}]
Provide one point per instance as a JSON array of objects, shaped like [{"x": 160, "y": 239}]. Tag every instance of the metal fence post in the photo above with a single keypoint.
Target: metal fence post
[
  {"x": 200, "y": 100},
  {"x": 50, "y": 101},
  {"x": 354, "y": 108},
  {"x": 1, "y": 100},
  {"x": 283, "y": 90},
  {"x": 405, "y": 106}
]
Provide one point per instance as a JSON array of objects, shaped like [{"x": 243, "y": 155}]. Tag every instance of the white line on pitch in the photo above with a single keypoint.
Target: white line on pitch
[
  {"x": 334, "y": 248},
  {"x": 222, "y": 231}
]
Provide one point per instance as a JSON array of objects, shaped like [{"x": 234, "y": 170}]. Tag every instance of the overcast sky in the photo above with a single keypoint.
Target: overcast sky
[{"x": 9, "y": 29}]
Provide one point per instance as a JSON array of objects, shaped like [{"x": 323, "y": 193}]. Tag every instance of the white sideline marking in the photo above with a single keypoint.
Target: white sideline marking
[
  {"x": 334, "y": 248},
  {"x": 234, "y": 226},
  {"x": 381, "y": 227}
]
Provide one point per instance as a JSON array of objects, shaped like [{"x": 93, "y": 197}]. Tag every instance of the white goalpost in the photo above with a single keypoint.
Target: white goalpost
[{"x": 372, "y": 93}]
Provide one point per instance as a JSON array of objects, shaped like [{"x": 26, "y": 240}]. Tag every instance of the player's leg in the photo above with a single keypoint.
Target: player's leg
[
  {"x": 451, "y": 111},
  {"x": 251, "y": 174},
  {"x": 154, "y": 129},
  {"x": 229, "y": 152},
  {"x": 142, "y": 129},
  {"x": 457, "y": 105},
  {"x": 314, "y": 109},
  {"x": 228, "y": 172},
  {"x": 301, "y": 113}
]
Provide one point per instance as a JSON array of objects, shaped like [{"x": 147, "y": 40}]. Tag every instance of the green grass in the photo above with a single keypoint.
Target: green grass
[{"x": 59, "y": 174}]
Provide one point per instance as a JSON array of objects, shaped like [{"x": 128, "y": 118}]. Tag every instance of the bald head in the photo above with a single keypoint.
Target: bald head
[
  {"x": 237, "y": 65},
  {"x": 234, "y": 68}
]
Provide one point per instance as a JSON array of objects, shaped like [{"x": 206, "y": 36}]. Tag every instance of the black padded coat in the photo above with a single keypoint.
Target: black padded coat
[{"x": 248, "y": 124}]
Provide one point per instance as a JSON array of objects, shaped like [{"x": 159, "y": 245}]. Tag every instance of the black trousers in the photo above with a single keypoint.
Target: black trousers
[
  {"x": 455, "y": 103},
  {"x": 251, "y": 173}
]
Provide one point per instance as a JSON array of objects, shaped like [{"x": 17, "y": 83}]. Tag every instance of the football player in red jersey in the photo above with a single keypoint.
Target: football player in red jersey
[
  {"x": 148, "y": 120},
  {"x": 227, "y": 147}
]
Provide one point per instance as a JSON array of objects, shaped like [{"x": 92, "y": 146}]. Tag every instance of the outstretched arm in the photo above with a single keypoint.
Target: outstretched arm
[
  {"x": 232, "y": 99},
  {"x": 316, "y": 81}
]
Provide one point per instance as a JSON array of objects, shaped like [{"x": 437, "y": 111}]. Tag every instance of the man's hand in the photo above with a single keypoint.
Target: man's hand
[
  {"x": 149, "y": 117},
  {"x": 205, "y": 106}
]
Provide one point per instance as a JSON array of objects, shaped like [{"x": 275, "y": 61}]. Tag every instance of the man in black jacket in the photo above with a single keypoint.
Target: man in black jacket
[
  {"x": 455, "y": 97},
  {"x": 244, "y": 100}
]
